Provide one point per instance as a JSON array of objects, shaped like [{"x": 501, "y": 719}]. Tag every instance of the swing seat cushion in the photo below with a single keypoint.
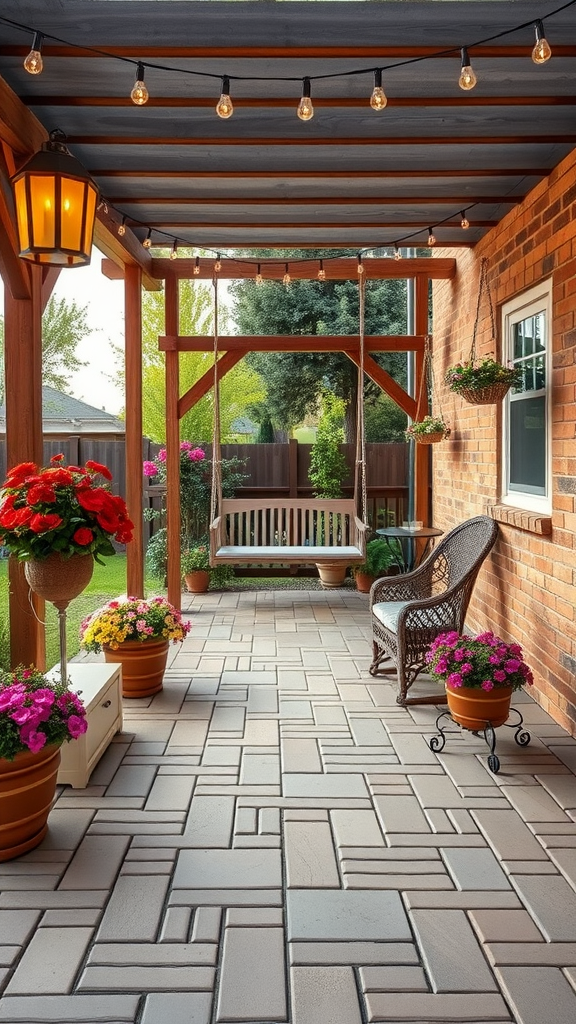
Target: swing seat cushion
[{"x": 300, "y": 553}]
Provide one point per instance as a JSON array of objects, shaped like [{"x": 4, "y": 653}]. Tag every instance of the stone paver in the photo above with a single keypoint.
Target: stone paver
[{"x": 271, "y": 839}]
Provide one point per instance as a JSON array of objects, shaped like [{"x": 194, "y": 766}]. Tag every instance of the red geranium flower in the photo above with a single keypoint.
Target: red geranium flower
[
  {"x": 18, "y": 475},
  {"x": 92, "y": 499},
  {"x": 97, "y": 467},
  {"x": 41, "y": 492},
  {"x": 57, "y": 458},
  {"x": 43, "y": 524},
  {"x": 83, "y": 536}
]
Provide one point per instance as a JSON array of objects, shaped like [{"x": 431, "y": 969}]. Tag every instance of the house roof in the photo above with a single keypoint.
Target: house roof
[
  {"x": 349, "y": 178},
  {"x": 62, "y": 413}
]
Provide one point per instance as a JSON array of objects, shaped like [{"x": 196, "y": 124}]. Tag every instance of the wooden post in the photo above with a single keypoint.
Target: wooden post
[
  {"x": 172, "y": 448},
  {"x": 23, "y": 382},
  {"x": 133, "y": 379},
  {"x": 422, "y": 451}
]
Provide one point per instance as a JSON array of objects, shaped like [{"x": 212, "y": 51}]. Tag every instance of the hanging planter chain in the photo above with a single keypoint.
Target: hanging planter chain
[{"x": 428, "y": 381}]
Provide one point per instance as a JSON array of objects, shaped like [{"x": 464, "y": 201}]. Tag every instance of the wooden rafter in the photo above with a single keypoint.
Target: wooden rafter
[
  {"x": 246, "y": 202},
  {"x": 205, "y": 383},
  {"x": 279, "y": 102},
  {"x": 343, "y": 269},
  {"x": 257, "y": 52},
  {"x": 318, "y": 140},
  {"x": 291, "y": 343},
  {"x": 379, "y": 175}
]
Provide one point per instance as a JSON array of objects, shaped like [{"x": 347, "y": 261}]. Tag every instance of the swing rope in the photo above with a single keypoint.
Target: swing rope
[
  {"x": 216, "y": 488},
  {"x": 360, "y": 463}
]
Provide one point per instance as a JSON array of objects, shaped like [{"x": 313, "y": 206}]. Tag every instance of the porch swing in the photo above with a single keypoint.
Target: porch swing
[{"x": 291, "y": 531}]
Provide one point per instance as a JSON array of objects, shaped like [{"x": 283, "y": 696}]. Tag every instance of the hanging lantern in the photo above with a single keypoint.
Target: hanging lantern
[{"x": 55, "y": 207}]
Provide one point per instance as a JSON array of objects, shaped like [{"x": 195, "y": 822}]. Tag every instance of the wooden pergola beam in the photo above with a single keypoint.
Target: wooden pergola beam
[
  {"x": 206, "y": 381},
  {"x": 336, "y": 269},
  {"x": 373, "y": 200},
  {"x": 380, "y": 175},
  {"x": 386, "y": 382},
  {"x": 298, "y": 53},
  {"x": 262, "y": 142},
  {"x": 291, "y": 343},
  {"x": 287, "y": 102}
]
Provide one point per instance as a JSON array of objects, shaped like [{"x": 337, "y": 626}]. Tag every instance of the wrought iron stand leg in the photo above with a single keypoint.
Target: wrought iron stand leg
[{"x": 437, "y": 743}]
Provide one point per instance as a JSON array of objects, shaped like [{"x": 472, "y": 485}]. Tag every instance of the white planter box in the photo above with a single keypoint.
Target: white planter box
[{"x": 100, "y": 687}]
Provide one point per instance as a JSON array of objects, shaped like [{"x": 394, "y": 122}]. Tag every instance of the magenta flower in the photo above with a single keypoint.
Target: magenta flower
[
  {"x": 487, "y": 684},
  {"x": 32, "y": 739},
  {"x": 76, "y": 726},
  {"x": 499, "y": 675},
  {"x": 149, "y": 469},
  {"x": 455, "y": 679}
]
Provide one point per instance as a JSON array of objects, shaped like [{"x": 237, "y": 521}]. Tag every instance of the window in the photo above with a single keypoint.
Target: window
[{"x": 527, "y": 344}]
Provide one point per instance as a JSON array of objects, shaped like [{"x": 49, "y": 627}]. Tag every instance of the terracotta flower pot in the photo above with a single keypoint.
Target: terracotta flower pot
[
  {"x": 197, "y": 581},
  {"x": 27, "y": 787},
  {"x": 58, "y": 579},
  {"x": 473, "y": 707},
  {"x": 332, "y": 574},
  {"x": 143, "y": 665},
  {"x": 363, "y": 582}
]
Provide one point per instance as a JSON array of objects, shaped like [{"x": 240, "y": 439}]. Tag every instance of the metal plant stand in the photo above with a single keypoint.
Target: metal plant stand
[{"x": 521, "y": 737}]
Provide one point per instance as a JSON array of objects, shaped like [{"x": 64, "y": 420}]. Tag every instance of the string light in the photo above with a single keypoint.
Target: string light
[
  {"x": 305, "y": 109},
  {"x": 360, "y": 267},
  {"x": 397, "y": 253},
  {"x": 464, "y": 222},
  {"x": 431, "y": 237},
  {"x": 218, "y": 264},
  {"x": 321, "y": 272},
  {"x": 148, "y": 240},
  {"x": 33, "y": 62},
  {"x": 259, "y": 278},
  {"x": 224, "y": 106},
  {"x": 378, "y": 98},
  {"x": 139, "y": 94},
  {"x": 122, "y": 226},
  {"x": 103, "y": 205},
  {"x": 196, "y": 270},
  {"x": 467, "y": 78},
  {"x": 541, "y": 52},
  {"x": 286, "y": 278},
  {"x": 174, "y": 253}
]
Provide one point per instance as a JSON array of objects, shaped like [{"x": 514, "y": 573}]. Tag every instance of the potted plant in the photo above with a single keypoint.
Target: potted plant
[
  {"x": 195, "y": 566},
  {"x": 430, "y": 430},
  {"x": 135, "y": 633},
  {"x": 480, "y": 674},
  {"x": 482, "y": 381},
  {"x": 379, "y": 558},
  {"x": 58, "y": 519},
  {"x": 36, "y": 718}
]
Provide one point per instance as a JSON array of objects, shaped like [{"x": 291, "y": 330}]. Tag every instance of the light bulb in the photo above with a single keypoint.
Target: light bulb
[
  {"x": 259, "y": 278},
  {"x": 541, "y": 52},
  {"x": 174, "y": 253},
  {"x": 321, "y": 272},
  {"x": 196, "y": 270},
  {"x": 431, "y": 237},
  {"x": 467, "y": 78},
  {"x": 286, "y": 278},
  {"x": 224, "y": 106},
  {"x": 360, "y": 268},
  {"x": 148, "y": 240},
  {"x": 305, "y": 109},
  {"x": 397, "y": 253},
  {"x": 122, "y": 227},
  {"x": 378, "y": 98},
  {"x": 464, "y": 222},
  {"x": 103, "y": 205},
  {"x": 139, "y": 94},
  {"x": 217, "y": 265},
  {"x": 33, "y": 62}
]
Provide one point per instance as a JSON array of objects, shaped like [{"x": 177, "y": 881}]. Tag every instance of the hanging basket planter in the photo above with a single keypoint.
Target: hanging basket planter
[
  {"x": 488, "y": 395},
  {"x": 429, "y": 429}
]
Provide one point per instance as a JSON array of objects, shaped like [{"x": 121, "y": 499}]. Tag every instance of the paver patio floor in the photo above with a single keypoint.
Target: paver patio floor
[{"x": 271, "y": 839}]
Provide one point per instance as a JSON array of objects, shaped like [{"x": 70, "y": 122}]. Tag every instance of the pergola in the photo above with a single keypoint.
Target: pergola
[{"x": 350, "y": 180}]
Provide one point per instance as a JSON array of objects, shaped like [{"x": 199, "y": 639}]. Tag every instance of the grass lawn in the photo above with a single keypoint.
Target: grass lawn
[{"x": 107, "y": 582}]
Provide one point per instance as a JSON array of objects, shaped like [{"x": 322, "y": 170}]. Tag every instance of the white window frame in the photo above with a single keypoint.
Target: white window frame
[{"x": 536, "y": 300}]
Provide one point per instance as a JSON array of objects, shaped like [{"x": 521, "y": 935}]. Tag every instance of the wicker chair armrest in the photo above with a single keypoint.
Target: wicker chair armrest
[
  {"x": 408, "y": 586},
  {"x": 428, "y": 604}
]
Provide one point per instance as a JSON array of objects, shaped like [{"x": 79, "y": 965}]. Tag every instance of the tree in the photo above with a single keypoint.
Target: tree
[
  {"x": 64, "y": 326},
  {"x": 239, "y": 388},
  {"x": 294, "y": 381},
  {"x": 327, "y": 461}
]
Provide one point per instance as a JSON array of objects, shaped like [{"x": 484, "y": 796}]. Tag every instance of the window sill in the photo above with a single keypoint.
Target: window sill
[{"x": 532, "y": 522}]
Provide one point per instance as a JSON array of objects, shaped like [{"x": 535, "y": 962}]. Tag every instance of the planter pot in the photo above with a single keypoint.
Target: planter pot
[
  {"x": 429, "y": 438},
  {"x": 143, "y": 665},
  {"x": 363, "y": 582},
  {"x": 197, "y": 581},
  {"x": 58, "y": 579},
  {"x": 332, "y": 574},
  {"x": 473, "y": 708},
  {"x": 485, "y": 396},
  {"x": 27, "y": 787}
]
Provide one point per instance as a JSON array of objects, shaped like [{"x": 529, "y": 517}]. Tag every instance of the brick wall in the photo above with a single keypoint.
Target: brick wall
[{"x": 526, "y": 589}]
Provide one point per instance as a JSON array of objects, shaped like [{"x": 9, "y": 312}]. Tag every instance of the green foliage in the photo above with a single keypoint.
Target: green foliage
[
  {"x": 426, "y": 426},
  {"x": 327, "y": 463},
  {"x": 481, "y": 373},
  {"x": 384, "y": 421},
  {"x": 294, "y": 381},
  {"x": 64, "y": 325},
  {"x": 266, "y": 431},
  {"x": 379, "y": 558},
  {"x": 239, "y": 388},
  {"x": 196, "y": 557},
  {"x": 157, "y": 562}
]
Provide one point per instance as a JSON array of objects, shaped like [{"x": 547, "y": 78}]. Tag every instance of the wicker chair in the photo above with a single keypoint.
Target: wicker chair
[{"x": 409, "y": 611}]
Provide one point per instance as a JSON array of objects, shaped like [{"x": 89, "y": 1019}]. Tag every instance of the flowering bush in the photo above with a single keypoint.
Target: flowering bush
[
  {"x": 429, "y": 425},
  {"x": 61, "y": 508},
  {"x": 485, "y": 662},
  {"x": 132, "y": 619},
  {"x": 194, "y": 558},
  {"x": 481, "y": 373},
  {"x": 35, "y": 712}
]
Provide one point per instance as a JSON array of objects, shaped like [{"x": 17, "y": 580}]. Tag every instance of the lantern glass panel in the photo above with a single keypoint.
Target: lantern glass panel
[
  {"x": 91, "y": 197},
  {"x": 72, "y": 211},
  {"x": 22, "y": 213},
  {"x": 42, "y": 210}
]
